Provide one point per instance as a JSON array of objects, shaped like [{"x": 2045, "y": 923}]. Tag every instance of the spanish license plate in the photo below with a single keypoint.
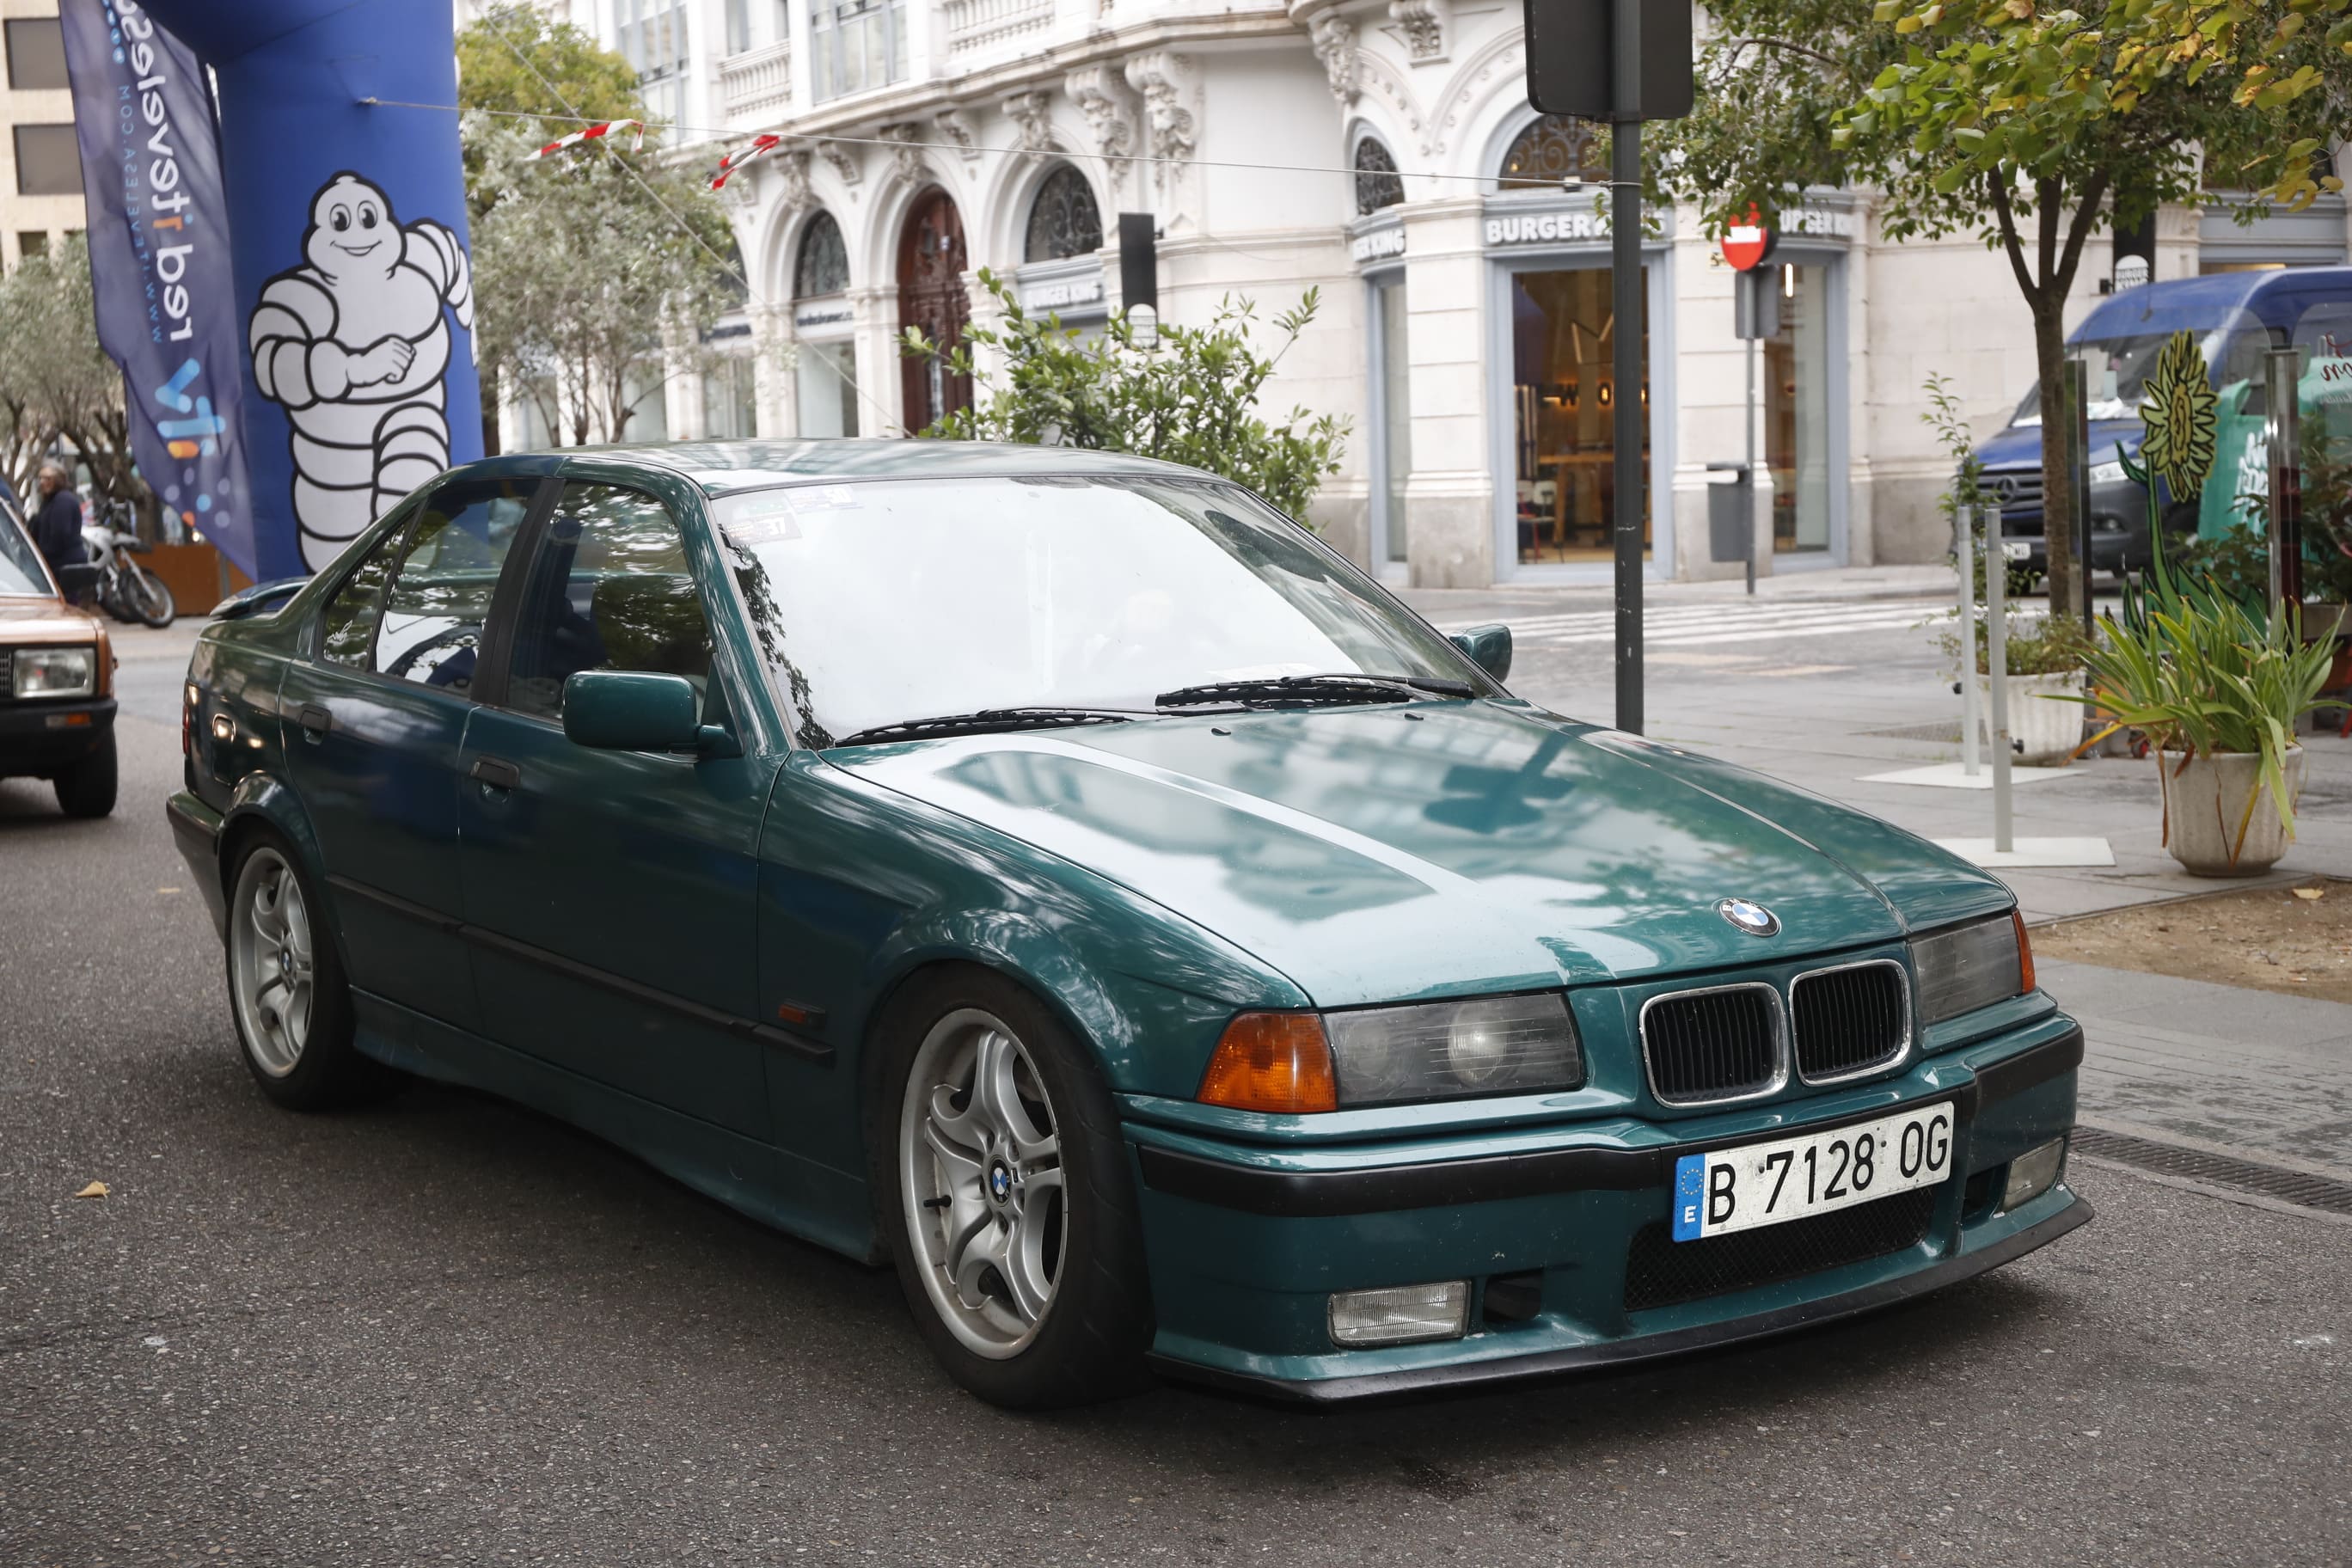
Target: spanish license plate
[
  {"x": 1770, "y": 1183},
  {"x": 2016, "y": 549}
]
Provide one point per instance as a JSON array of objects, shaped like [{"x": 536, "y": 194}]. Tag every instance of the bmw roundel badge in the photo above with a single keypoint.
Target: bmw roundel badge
[
  {"x": 1750, "y": 916},
  {"x": 1000, "y": 1183}
]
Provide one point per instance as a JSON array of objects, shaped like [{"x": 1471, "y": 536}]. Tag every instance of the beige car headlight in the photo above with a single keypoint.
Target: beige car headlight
[{"x": 55, "y": 672}]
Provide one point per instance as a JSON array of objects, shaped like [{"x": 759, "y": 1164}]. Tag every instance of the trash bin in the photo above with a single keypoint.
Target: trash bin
[{"x": 1730, "y": 511}]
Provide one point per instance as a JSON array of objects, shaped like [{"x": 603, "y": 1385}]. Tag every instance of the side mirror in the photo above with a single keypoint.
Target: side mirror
[
  {"x": 79, "y": 578},
  {"x": 1489, "y": 648},
  {"x": 623, "y": 711}
]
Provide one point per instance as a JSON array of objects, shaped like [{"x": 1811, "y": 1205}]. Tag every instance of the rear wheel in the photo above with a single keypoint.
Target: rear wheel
[
  {"x": 292, "y": 1010},
  {"x": 1004, "y": 1191},
  {"x": 88, "y": 788}
]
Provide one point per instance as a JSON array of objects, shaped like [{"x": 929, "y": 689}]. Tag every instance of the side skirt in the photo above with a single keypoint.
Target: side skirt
[{"x": 798, "y": 1196}]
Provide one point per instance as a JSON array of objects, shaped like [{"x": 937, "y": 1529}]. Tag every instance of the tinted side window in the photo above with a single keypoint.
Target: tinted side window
[
  {"x": 433, "y": 615},
  {"x": 610, "y": 590},
  {"x": 348, "y": 627}
]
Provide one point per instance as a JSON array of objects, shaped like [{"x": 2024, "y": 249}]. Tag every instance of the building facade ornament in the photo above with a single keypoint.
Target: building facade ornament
[
  {"x": 1423, "y": 23},
  {"x": 906, "y": 152},
  {"x": 1334, "y": 38},
  {"x": 1101, "y": 96},
  {"x": 1031, "y": 116},
  {"x": 1163, "y": 78},
  {"x": 841, "y": 160},
  {"x": 792, "y": 167},
  {"x": 955, "y": 129}
]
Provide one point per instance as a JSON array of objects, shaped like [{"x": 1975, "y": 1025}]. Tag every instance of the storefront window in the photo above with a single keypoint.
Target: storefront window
[
  {"x": 1378, "y": 183},
  {"x": 1064, "y": 220},
  {"x": 729, "y": 398},
  {"x": 825, "y": 382},
  {"x": 1564, "y": 393},
  {"x": 1395, "y": 454},
  {"x": 1797, "y": 412},
  {"x": 1552, "y": 149}
]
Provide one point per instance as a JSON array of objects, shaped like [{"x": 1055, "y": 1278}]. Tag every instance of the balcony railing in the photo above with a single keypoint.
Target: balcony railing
[
  {"x": 979, "y": 24},
  {"x": 756, "y": 86}
]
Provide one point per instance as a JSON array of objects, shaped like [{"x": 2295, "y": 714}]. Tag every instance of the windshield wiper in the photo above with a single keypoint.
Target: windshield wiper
[
  {"x": 1335, "y": 688},
  {"x": 985, "y": 721}
]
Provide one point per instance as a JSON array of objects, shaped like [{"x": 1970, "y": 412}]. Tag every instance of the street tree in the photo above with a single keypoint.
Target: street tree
[
  {"x": 598, "y": 274},
  {"x": 1191, "y": 399},
  {"x": 2031, "y": 127},
  {"x": 56, "y": 385},
  {"x": 519, "y": 68}
]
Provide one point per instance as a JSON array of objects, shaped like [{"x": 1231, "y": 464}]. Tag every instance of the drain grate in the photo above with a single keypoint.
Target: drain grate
[{"x": 2216, "y": 1170}]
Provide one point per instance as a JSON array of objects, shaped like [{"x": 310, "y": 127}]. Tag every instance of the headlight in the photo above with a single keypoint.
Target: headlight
[
  {"x": 1493, "y": 1044},
  {"x": 2106, "y": 473},
  {"x": 1971, "y": 966},
  {"x": 55, "y": 672}
]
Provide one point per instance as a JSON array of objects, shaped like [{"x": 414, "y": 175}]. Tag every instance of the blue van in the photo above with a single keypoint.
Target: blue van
[{"x": 2236, "y": 317}]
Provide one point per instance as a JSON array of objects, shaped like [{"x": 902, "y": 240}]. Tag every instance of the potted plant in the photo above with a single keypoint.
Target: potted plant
[
  {"x": 2045, "y": 659},
  {"x": 2217, "y": 691}
]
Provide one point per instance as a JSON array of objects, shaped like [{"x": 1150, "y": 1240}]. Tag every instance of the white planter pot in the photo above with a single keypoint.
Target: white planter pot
[
  {"x": 2204, "y": 804},
  {"x": 2048, "y": 730}
]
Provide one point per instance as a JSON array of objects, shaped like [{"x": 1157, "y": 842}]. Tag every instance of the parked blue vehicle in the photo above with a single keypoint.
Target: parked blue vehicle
[{"x": 2237, "y": 317}]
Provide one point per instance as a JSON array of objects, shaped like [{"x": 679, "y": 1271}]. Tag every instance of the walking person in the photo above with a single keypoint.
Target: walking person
[{"x": 57, "y": 526}]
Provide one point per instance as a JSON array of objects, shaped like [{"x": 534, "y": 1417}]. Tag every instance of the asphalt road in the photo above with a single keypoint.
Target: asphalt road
[{"x": 447, "y": 1330}]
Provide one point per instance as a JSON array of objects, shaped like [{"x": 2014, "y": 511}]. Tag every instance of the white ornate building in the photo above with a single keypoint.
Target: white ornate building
[{"x": 1464, "y": 329}]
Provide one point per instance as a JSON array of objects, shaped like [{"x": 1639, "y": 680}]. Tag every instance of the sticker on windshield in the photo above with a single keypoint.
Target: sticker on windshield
[
  {"x": 823, "y": 498},
  {"x": 761, "y": 519}
]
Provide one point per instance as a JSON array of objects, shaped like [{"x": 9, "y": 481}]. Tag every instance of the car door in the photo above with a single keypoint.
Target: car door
[
  {"x": 609, "y": 894},
  {"x": 375, "y": 718}
]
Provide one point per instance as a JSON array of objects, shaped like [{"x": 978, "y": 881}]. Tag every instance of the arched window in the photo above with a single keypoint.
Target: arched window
[
  {"x": 1550, "y": 150},
  {"x": 1064, "y": 219},
  {"x": 1377, "y": 185},
  {"x": 823, "y": 266}
]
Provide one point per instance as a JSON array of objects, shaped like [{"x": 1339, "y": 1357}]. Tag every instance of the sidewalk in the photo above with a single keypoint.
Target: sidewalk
[
  {"x": 2252, "y": 1074},
  {"x": 1831, "y": 585}
]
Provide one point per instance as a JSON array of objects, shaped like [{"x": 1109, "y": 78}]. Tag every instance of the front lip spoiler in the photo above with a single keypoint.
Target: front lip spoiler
[
  {"x": 1648, "y": 1347},
  {"x": 1443, "y": 1183}
]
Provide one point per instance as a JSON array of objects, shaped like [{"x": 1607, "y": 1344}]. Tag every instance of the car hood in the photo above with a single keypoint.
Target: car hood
[
  {"x": 2019, "y": 446},
  {"x": 25, "y": 618},
  {"x": 1378, "y": 854}
]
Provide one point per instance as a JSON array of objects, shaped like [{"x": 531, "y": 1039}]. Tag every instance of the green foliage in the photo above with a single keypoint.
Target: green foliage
[
  {"x": 1944, "y": 416},
  {"x": 56, "y": 385},
  {"x": 1192, "y": 399},
  {"x": 2204, "y": 676},
  {"x": 496, "y": 84},
  {"x": 2326, "y": 491},
  {"x": 2046, "y": 645},
  {"x": 2237, "y": 564},
  {"x": 595, "y": 273}
]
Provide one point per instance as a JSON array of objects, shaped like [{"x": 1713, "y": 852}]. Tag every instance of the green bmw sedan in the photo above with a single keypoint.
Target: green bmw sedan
[{"x": 1063, "y": 876}]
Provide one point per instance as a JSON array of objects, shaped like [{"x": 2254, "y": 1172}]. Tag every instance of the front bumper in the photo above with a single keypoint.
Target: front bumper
[
  {"x": 43, "y": 737},
  {"x": 1248, "y": 1243}
]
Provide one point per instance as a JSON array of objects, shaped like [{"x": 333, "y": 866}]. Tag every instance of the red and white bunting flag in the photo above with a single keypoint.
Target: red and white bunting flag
[
  {"x": 762, "y": 145},
  {"x": 636, "y": 143}
]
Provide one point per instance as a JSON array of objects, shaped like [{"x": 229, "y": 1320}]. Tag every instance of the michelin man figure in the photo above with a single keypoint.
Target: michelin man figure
[{"x": 353, "y": 344}]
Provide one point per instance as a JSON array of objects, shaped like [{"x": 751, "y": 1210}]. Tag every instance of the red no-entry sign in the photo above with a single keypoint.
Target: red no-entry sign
[{"x": 1746, "y": 245}]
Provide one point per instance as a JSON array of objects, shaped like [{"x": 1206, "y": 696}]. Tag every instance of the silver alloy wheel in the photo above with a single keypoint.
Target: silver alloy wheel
[
  {"x": 979, "y": 1175},
  {"x": 270, "y": 961}
]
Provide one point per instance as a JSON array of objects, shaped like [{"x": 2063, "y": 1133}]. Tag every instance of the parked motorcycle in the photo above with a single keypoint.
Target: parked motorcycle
[{"x": 126, "y": 590}]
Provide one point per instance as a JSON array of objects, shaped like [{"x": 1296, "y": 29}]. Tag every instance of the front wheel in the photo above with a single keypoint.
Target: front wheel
[
  {"x": 1003, "y": 1188},
  {"x": 86, "y": 789},
  {"x": 149, "y": 596},
  {"x": 292, "y": 1010}
]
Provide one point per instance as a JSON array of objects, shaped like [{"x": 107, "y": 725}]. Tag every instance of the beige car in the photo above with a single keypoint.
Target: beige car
[{"x": 57, "y": 682}]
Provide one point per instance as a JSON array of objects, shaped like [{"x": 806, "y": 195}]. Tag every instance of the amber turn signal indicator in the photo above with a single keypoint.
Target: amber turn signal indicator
[
  {"x": 1275, "y": 1062},
  {"x": 2025, "y": 953}
]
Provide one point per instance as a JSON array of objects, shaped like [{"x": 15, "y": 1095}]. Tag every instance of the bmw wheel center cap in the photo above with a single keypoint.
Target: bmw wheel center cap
[
  {"x": 1750, "y": 916},
  {"x": 1000, "y": 1183}
]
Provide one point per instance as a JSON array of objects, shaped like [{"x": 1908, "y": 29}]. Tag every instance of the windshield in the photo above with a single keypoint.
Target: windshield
[
  {"x": 20, "y": 567},
  {"x": 881, "y": 601},
  {"x": 2120, "y": 366}
]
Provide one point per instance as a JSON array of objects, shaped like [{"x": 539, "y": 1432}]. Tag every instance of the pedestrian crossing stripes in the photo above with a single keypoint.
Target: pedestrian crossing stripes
[{"x": 1723, "y": 625}]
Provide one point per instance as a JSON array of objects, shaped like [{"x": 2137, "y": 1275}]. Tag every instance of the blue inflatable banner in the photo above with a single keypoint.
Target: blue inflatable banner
[{"x": 160, "y": 264}]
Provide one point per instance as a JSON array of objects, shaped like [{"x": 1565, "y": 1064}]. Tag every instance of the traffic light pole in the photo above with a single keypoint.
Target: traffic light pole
[{"x": 1626, "y": 349}]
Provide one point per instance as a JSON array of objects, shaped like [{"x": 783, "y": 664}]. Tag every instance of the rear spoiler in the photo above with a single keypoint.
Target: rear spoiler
[{"x": 260, "y": 597}]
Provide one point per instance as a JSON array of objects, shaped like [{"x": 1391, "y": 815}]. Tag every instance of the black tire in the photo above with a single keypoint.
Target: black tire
[
  {"x": 149, "y": 598},
  {"x": 88, "y": 788},
  {"x": 326, "y": 1071},
  {"x": 1089, "y": 1342}
]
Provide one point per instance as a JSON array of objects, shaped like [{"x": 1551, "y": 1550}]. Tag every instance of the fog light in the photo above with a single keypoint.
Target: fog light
[
  {"x": 2031, "y": 1173},
  {"x": 1401, "y": 1314}
]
